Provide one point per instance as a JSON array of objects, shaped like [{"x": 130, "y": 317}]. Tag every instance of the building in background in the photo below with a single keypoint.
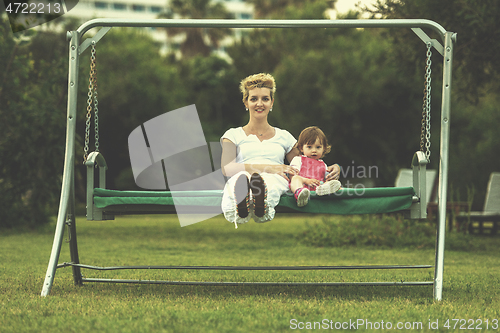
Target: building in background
[{"x": 152, "y": 9}]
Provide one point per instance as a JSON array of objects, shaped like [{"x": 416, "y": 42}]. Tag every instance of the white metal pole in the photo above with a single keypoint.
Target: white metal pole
[
  {"x": 69, "y": 162},
  {"x": 443, "y": 164}
]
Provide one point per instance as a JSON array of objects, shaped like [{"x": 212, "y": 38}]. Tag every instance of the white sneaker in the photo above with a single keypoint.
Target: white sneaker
[
  {"x": 329, "y": 187},
  {"x": 303, "y": 197}
]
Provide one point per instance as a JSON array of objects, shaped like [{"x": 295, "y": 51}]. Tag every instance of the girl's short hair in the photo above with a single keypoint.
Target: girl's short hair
[
  {"x": 309, "y": 136},
  {"x": 261, "y": 80}
]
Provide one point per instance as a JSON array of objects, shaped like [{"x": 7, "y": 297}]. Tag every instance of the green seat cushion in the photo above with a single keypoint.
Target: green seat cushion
[{"x": 344, "y": 202}]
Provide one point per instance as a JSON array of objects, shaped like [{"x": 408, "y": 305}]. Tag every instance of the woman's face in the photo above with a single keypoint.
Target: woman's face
[{"x": 259, "y": 102}]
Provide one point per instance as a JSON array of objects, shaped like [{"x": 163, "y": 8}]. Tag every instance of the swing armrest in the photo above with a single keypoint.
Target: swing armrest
[
  {"x": 419, "y": 166},
  {"x": 95, "y": 160}
]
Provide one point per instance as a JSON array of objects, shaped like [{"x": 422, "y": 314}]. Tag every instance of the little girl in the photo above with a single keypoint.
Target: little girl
[{"x": 313, "y": 145}]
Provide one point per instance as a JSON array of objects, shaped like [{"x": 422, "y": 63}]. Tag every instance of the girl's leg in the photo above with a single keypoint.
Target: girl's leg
[
  {"x": 296, "y": 182},
  {"x": 301, "y": 193},
  {"x": 329, "y": 187},
  {"x": 302, "y": 196}
]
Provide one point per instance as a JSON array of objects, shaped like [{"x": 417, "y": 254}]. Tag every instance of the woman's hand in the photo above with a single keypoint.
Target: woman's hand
[
  {"x": 287, "y": 171},
  {"x": 334, "y": 172}
]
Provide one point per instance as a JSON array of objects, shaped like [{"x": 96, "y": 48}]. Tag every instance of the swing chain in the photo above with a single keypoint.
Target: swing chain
[
  {"x": 96, "y": 112},
  {"x": 92, "y": 98},
  {"x": 425, "y": 136}
]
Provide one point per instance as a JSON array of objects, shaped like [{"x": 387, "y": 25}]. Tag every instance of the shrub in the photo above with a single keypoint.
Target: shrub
[{"x": 387, "y": 231}]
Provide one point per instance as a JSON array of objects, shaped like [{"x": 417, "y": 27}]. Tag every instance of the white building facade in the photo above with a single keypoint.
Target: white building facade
[{"x": 152, "y": 9}]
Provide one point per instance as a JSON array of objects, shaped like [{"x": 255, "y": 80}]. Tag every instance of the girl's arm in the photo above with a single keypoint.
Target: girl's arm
[
  {"x": 230, "y": 167},
  {"x": 311, "y": 181}
]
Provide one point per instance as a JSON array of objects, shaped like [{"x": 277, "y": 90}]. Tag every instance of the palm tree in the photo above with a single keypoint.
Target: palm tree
[{"x": 198, "y": 40}]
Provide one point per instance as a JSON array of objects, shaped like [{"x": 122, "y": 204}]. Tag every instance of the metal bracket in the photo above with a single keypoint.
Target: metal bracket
[
  {"x": 86, "y": 43},
  {"x": 69, "y": 219},
  {"x": 419, "y": 169},
  {"x": 426, "y": 39}
]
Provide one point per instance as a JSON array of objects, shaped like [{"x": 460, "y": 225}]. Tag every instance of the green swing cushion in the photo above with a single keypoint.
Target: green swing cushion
[{"x": 344, "y": 202}]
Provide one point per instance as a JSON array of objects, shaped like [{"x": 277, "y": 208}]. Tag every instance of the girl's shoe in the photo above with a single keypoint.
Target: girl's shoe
[
  {"x": 259, "y": 194},
  {"x": 242, "y": 196},
  {"x": 329, "y": 187},
  {"x": 302, "y": 196}
]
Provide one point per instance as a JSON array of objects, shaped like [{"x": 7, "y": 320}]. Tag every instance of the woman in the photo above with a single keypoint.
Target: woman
[{"x": 253, "y": 156}]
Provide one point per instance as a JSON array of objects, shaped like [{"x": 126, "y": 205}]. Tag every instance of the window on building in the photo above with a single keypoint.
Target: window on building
[
  {"x": 155, "y": 9},
  {"x": 138, "y": 8},
  {"x": 101, "y": 5},
  {"x": 119, "y": 6}
]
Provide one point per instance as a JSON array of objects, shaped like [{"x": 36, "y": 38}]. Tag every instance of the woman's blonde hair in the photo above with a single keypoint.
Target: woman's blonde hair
[
  {"x": 261, "y": 80},
  {"x": 308, "y": 137}
]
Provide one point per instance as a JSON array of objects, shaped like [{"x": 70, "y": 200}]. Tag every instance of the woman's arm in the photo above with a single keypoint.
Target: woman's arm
[
  {"x": 294, "y": 152},
  {"x": 334, "y": 172},
  {"x": 230, "y": 167}
]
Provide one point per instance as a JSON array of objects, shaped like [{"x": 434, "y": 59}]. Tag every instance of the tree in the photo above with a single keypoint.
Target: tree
[
  {"x": 263, "y": 49},
  {"x": 198, "y": 40},
  {"x": 476, "y": 23},
  {"x": 474, "y": 118},
  {"x": 370, "y": 113},
  {"x": 32, "y": 109},
  {"x": 135, "y": 84},
  {"x": 211, "y": 83}
]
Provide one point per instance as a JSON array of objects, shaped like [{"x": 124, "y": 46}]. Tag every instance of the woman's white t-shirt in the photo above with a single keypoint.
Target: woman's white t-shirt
[{"x": 250, "y": 150}]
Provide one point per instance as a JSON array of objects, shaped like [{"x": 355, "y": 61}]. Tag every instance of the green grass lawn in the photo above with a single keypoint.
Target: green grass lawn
[{"x": 471, "y": 281}]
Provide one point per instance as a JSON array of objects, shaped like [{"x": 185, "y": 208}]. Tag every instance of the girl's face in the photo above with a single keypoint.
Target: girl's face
[
  {"x": 259, "y": 102},
  {"x": 314, "y": 151}
]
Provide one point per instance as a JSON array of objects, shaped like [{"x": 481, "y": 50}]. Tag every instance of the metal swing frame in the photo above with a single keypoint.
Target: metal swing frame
[{"x": 66, "y": 212}]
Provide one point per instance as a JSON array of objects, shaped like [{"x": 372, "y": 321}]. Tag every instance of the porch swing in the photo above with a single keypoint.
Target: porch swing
[{"x": 104, "y": 204}]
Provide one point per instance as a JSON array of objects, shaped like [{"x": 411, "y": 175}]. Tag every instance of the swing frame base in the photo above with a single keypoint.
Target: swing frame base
[{"x": 250, "y": 268}]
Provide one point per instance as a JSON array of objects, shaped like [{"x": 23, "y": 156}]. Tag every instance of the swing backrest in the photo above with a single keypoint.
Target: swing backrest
[{"x": 405, "y": 179}]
